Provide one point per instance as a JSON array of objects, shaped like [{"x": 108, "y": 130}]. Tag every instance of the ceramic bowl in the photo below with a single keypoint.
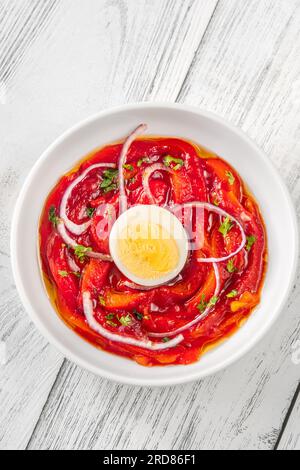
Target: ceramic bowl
[{"x": 170, "y": 120}]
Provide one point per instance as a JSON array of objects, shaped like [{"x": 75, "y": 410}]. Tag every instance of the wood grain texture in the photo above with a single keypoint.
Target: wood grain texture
[
  {"x": 60, "y": 62},
  {"x": 265, "y": 103},
  {"x": 246, "y": 68},
  {"x": 290, "y": 439},
  {"x": 31, "y": 364}
]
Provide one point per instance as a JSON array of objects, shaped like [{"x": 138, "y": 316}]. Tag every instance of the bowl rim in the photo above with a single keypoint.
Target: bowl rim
[{"x": 58, "y": 343}]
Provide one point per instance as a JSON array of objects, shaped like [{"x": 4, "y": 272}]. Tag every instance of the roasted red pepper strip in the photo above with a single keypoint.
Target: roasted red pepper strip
[
  {"x": 123, "y": 301},
  {"x": 102, "y": 223},
  {"x": 95, "y": 276},
  {"x": 226, "y": 177},
  {"x": 67, "y": 283}
]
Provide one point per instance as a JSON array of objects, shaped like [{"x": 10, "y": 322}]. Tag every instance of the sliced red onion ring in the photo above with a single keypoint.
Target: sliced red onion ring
[
  {"x": 92, "y": 322},
  {"x": 126, "y": 146},
  {"x": 73, "y": 244},
  {"x": 147, "y": 175},
  {"x": 72, "y": 265},
  {"x": 78, "y": 229},
  {"x": 217, "y": 210},
  {"x": 198, "y": 317}
]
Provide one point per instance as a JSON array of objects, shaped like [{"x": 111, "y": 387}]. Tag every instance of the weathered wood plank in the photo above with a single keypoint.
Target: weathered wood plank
[
  {"x": 290, "y": 439},
  {"x": 265, "y": 103},
  {"x": 246, "y": 70},
  {"x": 60, "y": 62},
  {"x": 31, "y": 365}
]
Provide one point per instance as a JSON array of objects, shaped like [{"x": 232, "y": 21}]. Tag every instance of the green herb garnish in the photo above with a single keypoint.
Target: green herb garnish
[
  {"x": 77, "y": 274},
  {"x": 106, "y": 183},
  {"x": 66, "y": 274},
  {"x": 216, "y": 202},
  {"x": 250, "y": 242},
  {"x": 231, "y": 267},
  {"x": 110, "y": 173},
  {"x": 103, "y": 303},
  {"x": 109, "y": 182},
  {"x": 202, "y": 305},
  {"x": 90, "y": 211},
  {"x": 231, "y": 178},
  {"x": 110, "y": 316},
  {"x": 138, "y": 315},
  {"x": 112, "y": 187},
  {"x": 63, "y": 273},
  {"x": 53, "y": 217},
  {"x": 166, "y": 340},
  {"x": 125, "y": 321},
  {"x": 128, "y": 167},
  {"x": 132, "y": 180},
  {"x": 232, "y": 294},
  {"x": 226, "y": 227},
  {"x": 111, "y": 323},
  {"x": 178, "y": 161},
  {"x": 143, "y": 160},
  {"x": 213, "y": 301},
  {"x": 81, "y": 251}
]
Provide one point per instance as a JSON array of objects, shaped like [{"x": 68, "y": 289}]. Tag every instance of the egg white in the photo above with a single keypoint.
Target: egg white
[{"x": 153, "y": 215}]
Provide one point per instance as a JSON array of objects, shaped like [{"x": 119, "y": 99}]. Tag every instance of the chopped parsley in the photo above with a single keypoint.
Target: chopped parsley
[
  {"x": 110, "y": 316},
  {"x": 112, "y": 187},
  {"x": 202, "y": 305},
  {"x": 250, "y": 242},
  {"x": 66, "y": 274},
  {"x": 232, "y": 294},
  {"x": 226, "y": 227},
  {"x": 213, "y": 301},
  {"x": 78, "y": 274},
  {"x": 132, "y": 180},
  {"x": 103, "y": 303},
  {"x": 90, "y": 211},
  {"x": 138, "y": 315},
  {"x": 109, "y": 182},
  {"x": 125, "y": 321},
  {"x": 81, "y": 251},
  {"x": 109, "y": 319},
  {"x": 231, "y": 267},
  {"x": 143, "y": 160},
  {"x": 166, "y": 340},
  {"x": 53, "y": 217},
  {"x": 178, "y": 162},
  {"x": 128, "y": 167},
  {"x": 230, "y": 177},
  {"x": 63, "y": 273}
]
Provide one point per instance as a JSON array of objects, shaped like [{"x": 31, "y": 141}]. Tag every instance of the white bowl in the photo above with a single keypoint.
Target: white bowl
[{"x": 171, "y": 120}]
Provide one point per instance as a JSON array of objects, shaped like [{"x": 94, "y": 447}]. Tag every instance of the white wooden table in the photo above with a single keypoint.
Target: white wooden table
[{"x": 62, "y": 60}]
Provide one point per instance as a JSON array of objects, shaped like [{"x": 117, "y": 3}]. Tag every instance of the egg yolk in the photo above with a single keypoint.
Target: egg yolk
[{"x": 148, "y": 250}]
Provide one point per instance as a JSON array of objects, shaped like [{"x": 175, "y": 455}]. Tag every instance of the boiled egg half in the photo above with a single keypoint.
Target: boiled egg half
[{"x": 149, "y": 245}]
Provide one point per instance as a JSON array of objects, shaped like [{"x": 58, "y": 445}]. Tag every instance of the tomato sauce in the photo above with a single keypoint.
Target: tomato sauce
[{"x": 196, "y": 175}]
